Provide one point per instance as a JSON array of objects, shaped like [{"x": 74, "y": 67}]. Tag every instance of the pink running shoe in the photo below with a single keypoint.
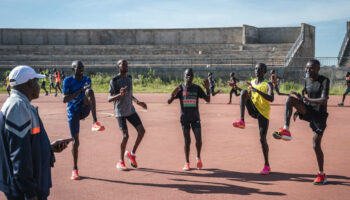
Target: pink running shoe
[
  {"x": 187, "y": 167},
  {"x": 199, "y": 163},
  {"x": 75, "y": 175},
  {"x": 283, "y": 134},
  {"x": 132, "y": 159},
  {"x": 121, "y": 166},
  {"x": 266, "y": 170},
  {"x": 239, "y": 124},
  {"x": 97, "y": 127}
]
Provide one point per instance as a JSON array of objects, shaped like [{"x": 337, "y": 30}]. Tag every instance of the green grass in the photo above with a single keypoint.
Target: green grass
[{"x": 149, "y": 83}]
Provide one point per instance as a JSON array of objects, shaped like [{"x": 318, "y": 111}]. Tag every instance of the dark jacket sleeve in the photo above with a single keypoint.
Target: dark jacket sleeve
[{"x": 18, "y": 133}]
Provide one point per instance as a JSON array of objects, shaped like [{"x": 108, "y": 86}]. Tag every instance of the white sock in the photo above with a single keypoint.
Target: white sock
[
  {"x": 286, "y": 127},
  {"x": 132, "y": 153},
  {"x": 321, "y": 172}
]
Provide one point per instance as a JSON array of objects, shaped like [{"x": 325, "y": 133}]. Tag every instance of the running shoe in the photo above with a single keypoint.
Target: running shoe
[
  {"x": 340, "y": 104},
  {"x": 228, "y": 102},
  {"x": 283, "y": 134},
  {"x": 121, "y": 166},
  {"x": 239, "y": 124},
  {"x": 97, "y": 127},
  {"x": 132, "y": 159},
  {"x": 199, "y": 163},
  {"x": 321, "y": 179},
  {"x": 187, "y": 167},
  {"x": 56, "y": 95},
  {"x": 75, "y": 175},
  {"x": 266, "y": 170}
]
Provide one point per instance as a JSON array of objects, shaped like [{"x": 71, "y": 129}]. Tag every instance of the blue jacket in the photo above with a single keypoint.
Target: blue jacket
[{"x": 25, "y": 150}]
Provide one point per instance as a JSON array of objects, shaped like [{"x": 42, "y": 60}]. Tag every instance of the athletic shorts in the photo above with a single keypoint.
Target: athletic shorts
[
  {"x": 187, "y": 124},
  {"x": 74, "y": 122},
  {"x": 318, "y": 121},
  {"x": 134, "y": 119},
  {"x": 43, "y": 83},
  {"x": 347, "y": 91},
  {"x": 212, "y": 89}
]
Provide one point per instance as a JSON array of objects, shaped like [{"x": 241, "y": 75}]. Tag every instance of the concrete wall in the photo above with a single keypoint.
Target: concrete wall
[
  {"x": 278, "y": 35},
  {"x": 231, "y": 35}
]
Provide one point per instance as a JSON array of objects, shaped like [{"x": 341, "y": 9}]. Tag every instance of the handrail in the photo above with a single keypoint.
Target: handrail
[
  {"x": 294, "y": 48},
  {"x": 342, "y": 49}
]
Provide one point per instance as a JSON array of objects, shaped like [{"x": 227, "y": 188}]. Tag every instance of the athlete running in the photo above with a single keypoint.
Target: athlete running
[
  {"x": 257, "y": 100},
  {"x": 188, "y": 94},
  {"x": 58, "y": 81},
  {"x": 121, "y": 93},
  {"x": 233, "y": 83},
  {"x": 275, "y": 79},
  {"x": 347, "y": 79},
  {"x": 311, "y": 108},
  {"x": 212, "y": 84},
  {"x": 81, "y": 100},
  {"x": 43, "y": 82}
]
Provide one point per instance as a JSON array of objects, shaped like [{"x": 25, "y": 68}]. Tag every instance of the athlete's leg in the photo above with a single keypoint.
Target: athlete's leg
[
  {"x": 290, "y": 103},
  {"x": 232, "y": 90},
  {"x": 243, "y": 101},
  {"x": 236, "y": 93},
  {"x": 198, "y": 135},
  {"x": 90, "y": 101},
  {"x": 56, "y": 85},
  {"x": 140, "y": 133},
  {"x": 318, "y": 150},
  {"x": 263, "y": 127},
  {"x": 75, "y": 147},
  {"x": 187, "y": 137},
  {"x": 123, "y": 144}
]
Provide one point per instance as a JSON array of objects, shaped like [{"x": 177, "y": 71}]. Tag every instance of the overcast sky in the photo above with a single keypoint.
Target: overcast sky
[{"x": 328, "y": 16}]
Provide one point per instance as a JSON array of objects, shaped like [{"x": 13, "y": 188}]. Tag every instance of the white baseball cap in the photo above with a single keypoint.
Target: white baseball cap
[{"x": 22, "y": 74}]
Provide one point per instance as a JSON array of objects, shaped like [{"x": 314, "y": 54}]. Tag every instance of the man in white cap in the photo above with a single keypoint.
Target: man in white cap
[{"x": 26, "y": 155}]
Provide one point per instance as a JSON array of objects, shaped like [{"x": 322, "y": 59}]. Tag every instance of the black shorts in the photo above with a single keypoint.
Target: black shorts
[
  {"x": 187, "y": 124},
  {"x": 318, "y": 121},
  {"x": 212, "y": 89},
  {"x": 43, "y": 83},
  {"x": 252, "y": 110},
  {"x": 134, "y": 119}
]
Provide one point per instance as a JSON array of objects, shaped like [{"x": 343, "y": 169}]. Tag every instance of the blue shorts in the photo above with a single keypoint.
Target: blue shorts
[
  {"x": 134, "y": 119},
  {"x": 74, "y": 122},
  {"x": 347, "y": 91}
]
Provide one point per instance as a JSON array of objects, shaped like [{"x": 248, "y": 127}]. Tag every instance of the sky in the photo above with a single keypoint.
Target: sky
[{"x": 328, "y": 16}]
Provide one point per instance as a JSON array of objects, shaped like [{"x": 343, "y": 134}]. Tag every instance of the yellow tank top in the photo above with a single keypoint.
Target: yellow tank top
[
  {"x": 262, "y": 104},
  {"x": 7, "y": 81}
]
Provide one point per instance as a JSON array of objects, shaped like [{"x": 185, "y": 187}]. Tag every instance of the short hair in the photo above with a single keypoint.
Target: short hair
[
  {"x": 77, "y": 63},
  {"x": 121, "y": 62},
  {"x": 314, "y": 63},
  {"x": 348, "y": 74},
  {"x": 272, "y": 71},
  {"x": 263, "y": 66},
  {"x": 232, "y": 73},
  {"x": 189, "y": 70}
]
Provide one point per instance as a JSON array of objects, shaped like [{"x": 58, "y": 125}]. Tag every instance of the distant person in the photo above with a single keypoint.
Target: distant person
[
  {"x": 233, "y": 83},
  {"x": 26, "y": 155},
  {"x": 212, "y": 84},
  {"x": 257, "y": 101},
  {"x": 8, "y": 87},
  {"x": 63, "y": 75},
  {"x": 311, "y": 106},
  {"x": 58, "y": 81},
  {"x": 274, "y": 80},
  {"x": 43, "y": 82},
  {"x": 188, "y": 94},
  {"x": 121, "y": 94},
  {"x": 52, "y": 80},
  {"x": 347, "y": 80},
  {"x": 80, "y": 97}
]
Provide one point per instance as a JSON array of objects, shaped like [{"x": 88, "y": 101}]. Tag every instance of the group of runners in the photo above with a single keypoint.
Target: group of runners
[
  {"x": 310, "y": 106},
  {"x": 55, "y": 78}
]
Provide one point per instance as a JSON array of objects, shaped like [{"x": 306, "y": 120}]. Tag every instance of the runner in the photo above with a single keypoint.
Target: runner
[
  {"x": 43, "y": 82},
  {"x": 275, "y": 79},
  {"x": 233, "y": 83},
  {"x": 52, "y": 80},
  {"x": 121, "y": 93},
  {"x": 257, "y": 101},
  {"x": 212, "y": 84},
  {"x": 311, "y": 108},
  {"x": 81, "y": 99},
  {"x": 347, "y": 79},
  {"x": 188, "y": 94},
  {"x": 58, "y": 81}
]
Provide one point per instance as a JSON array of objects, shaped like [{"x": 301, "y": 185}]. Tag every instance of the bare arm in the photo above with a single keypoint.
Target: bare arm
[
  {"x": 173, "y": 94},
  {"x": 116, "y": 97},
  {"x": 67, "y": 97},
  {"x": 140, "y": 103}
]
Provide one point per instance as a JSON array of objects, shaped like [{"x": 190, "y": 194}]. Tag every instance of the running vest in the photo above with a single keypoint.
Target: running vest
[{"x": 262, "y": 104}]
